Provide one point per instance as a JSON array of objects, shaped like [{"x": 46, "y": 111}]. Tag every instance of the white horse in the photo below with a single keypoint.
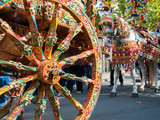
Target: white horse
[{"x": 131, "y": 48}]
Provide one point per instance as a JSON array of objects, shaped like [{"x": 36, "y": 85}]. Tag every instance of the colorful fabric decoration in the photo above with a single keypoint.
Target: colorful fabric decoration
[
  {"x": 126, "y": 56},
  {"x": 122, "y": 27}
]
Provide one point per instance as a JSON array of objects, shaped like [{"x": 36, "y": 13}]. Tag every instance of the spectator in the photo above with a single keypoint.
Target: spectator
[
  {"x": 88, "y": 70},
  {"x": 112, "y": 76},
  {"x": 70, "y": 82},
  {"x": 79, "y": 72},
  {"x": 4, "y": 80}
]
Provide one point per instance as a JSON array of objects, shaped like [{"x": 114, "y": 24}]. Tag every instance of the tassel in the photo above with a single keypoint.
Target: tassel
[
  {"x": 29, "y": 1},
  {"x": 119, "y": 44},
  {"x": 63, "y": 13},
  {"x": 154, "y": 39},
  {"x": 142, "y": 18},
  {"x": 132, "y": 11},
  {"x": 148, "y": 40}
]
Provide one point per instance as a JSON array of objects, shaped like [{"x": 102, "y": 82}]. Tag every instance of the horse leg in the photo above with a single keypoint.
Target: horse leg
[
  {"x": 143, "y": 70},
  {"x": 133, "y": 75},
  {"x": 156, "y": 71},
  {"x": 113, "y": 92},
  {"x": 152, "y": 73},
  {"x": 147, "y": 77}
]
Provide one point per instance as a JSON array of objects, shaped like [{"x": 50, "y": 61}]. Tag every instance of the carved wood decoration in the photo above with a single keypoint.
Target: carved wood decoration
[{"x": 47, "y": 36}]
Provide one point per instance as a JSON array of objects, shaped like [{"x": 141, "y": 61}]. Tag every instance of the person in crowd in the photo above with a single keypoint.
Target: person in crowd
[
  {"x": 79, "y": 72},
  {"x": 70, "y": 82},
  {"x": 88, "y": 70},
  {"x": 4, "y": 80},
  {"x": 112, "y": 77}
]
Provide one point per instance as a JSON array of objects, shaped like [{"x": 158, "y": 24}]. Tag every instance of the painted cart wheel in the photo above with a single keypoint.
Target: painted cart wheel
[{"x": 57, "y": 40}]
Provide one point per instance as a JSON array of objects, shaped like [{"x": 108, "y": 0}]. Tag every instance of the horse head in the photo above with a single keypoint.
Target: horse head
[
  {"x": 106, "y": 25},
  {"x": 114, "y": 27},
  {"x": 106, "y": 29}
]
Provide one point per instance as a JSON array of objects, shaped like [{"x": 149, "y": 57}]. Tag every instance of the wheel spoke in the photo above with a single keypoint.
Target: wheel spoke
[
  {"x": 18, "y": 65},
  {"x": 31, "y": 57},
  {"x": 64, "y": 46},
  {"x": 18, "y": 83},
  {"x": 25, "y": 100},
  {"x": 16, "y": 39},
  {"x": 66, "y": 93},
  {"x": 18, "y": 92},
  {"x": 31, "y": 15},
  {"x": 26, "y": 37},
  {"x": 69, "y": 76},
  {"x": 54, "y": 102},
  {"x": 6, "y": 28},
  {"x": 38, "y": 50},
  {"x": 52, "y": 36},
  {"x": 37, "y": 39},
  {"x": 71, "y": 60},
  {"x": 40, "y": 102}
]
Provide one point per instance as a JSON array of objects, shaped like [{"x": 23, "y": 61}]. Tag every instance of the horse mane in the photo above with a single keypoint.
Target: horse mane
[{"x": 122, "y": 27}]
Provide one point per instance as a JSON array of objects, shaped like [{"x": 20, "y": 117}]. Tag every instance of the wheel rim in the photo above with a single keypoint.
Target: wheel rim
[{"x": 40, "y": 59}]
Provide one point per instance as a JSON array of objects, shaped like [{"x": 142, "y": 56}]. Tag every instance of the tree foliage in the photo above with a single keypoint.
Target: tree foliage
[
  {"x": 151, "y": 10},
  {"x": 153, "y": 13}
]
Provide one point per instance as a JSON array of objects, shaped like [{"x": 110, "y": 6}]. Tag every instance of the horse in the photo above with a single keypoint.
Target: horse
[{"x": 131, "y": 44}]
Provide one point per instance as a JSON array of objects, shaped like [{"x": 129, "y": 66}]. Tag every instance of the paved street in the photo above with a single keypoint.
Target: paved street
[
  {"x": 121, "y": 107},
  {"x": 124, "y": 107}
]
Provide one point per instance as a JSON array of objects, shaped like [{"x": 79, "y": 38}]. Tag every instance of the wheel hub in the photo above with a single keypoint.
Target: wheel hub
[{"x": 49, "y": 72}]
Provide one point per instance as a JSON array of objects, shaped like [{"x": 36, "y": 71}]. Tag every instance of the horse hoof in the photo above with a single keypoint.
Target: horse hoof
[
  {"x": 156, "y": 90},
  {"x": 135, "y": 95},
  {"x": 113, "y": 94},
  {"x": 141, "y": 90}
]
